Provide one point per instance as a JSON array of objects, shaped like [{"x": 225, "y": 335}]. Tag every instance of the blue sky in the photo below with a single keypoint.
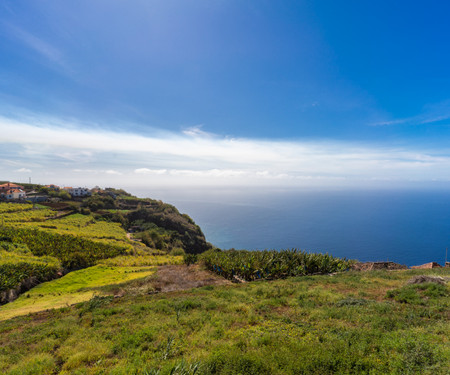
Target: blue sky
[{"x": 212, "y": 92}]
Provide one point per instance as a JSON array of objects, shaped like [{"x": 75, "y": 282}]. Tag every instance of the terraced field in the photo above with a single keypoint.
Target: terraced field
[{"x": 38, "y": 244}]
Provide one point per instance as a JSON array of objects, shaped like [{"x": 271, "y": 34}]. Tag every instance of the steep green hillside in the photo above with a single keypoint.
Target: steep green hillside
[
  {"x": 158, "y": 224},
  {"x": 80, "y": 233},
  {"x": 349, "y": 323}
]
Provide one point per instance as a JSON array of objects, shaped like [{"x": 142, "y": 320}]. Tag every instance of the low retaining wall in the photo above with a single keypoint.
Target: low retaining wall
[{"x": 427, "y": 266}]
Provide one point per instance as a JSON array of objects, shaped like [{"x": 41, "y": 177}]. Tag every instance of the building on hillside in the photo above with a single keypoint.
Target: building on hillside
[
  {"x": 35, "y": 197},
  {"x": 8, "y": 186},
  {"x": 53, "y": 187},
  {"x": 97, "y": 189},
  {"x": 13, "y": 194},
  {"x": 10, "y": 191},
  {"x": 77, "y": 192}
]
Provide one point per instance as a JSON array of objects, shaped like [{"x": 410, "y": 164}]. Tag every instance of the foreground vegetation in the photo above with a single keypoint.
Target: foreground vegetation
[
  {"x": 347, "y": 323},
  {"x": 288, "y": 320}
]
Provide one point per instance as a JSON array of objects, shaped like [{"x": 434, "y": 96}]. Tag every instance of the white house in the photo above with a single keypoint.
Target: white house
[
  {"x": 14, "y": 194},
  {"x": 8, "y": 186},
  {"x": 78, "y": 192}
]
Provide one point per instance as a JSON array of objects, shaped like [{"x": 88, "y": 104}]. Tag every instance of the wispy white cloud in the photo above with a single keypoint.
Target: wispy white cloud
[
  {"x": 434, "y": 119},
  {"x": 392, "y": 122},
  {"x": 431, "y": 114},
  {"x": 196, "y": 131},
  {"x": 49, "y": 52},
  {"x": 171, "y": 158},
  {"x": 150, "y": 171}
]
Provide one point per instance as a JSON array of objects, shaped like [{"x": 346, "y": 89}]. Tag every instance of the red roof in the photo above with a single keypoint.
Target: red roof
[
  {"x": 9, "y": 185},
  {"x": 15, "y": 190}
]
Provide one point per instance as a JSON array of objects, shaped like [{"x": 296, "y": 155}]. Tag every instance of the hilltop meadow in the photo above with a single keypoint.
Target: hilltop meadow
[{"x": 114, "y": 284}]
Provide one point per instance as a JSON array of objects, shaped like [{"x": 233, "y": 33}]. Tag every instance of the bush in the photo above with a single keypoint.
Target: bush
[
  {"x": 418, "y": 293},
  {"x": 85, "y": 211},
  {"x": 177, "y": 251},
  {"x": 190, "y": 259},
  {"x": 351, "y": 302}
]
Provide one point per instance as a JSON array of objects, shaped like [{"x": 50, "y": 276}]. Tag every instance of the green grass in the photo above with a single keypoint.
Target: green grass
[
  {"x": 418, "y": 293},
  {"x": 142, "y": 260},
  {"x": 77, "y": 286},
  {"x": 76, "y": 225},
  {"x": 341, "y": 324},
  {"x": 25, "y": 216},
  {"x": 14, "y": 207}
]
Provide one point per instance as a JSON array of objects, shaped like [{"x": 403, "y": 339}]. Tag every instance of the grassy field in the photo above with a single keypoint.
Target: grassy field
[
  {"x": 14, "y": 207},
  {"x": 24, "y": 215},
  {"x": 82, "y": 285},
  {"x": 142, "y": 260},
  {"x": 349, "y": 323},
  {"x": 77, "y": 225}
]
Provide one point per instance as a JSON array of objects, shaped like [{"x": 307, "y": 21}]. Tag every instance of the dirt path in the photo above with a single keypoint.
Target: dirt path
[
  {"x": 132, "y": 238},
  {"x": 181, "y": 277}
]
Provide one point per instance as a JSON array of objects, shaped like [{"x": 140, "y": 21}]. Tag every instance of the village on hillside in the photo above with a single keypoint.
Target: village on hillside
[{"x": 12, "y": 192}]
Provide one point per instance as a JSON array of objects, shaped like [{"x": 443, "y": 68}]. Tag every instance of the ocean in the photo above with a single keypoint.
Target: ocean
[{"x": 405, "y": 226}]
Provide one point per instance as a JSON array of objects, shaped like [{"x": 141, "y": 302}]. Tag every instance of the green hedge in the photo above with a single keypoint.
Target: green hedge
[{"x": 270, "y": 264}]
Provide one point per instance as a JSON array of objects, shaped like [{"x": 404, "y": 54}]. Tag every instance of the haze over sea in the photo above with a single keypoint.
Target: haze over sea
[{"x": 405, "y": 226}]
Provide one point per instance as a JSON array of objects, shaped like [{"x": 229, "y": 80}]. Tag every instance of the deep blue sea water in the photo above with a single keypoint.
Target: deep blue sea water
[{"x": 408, "y": 227}]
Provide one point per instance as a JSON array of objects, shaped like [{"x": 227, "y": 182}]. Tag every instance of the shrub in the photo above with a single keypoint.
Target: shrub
[
  {"x": 190, "y": 259},
  {"x": 177, "y": 251},
  {"x": 351, "y": 302}
]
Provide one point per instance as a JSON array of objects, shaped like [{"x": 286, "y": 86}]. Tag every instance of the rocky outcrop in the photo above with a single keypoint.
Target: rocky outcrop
[
  {"x": 420, "y": 279},
  {"x": 12, "y": 294}
]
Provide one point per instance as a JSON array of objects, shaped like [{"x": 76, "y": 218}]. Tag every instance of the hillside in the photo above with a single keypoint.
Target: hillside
[
  {"x": 42, "y": 242},
  {"x": 349, "y": 323},
  {"x": 114, "y": 284}
]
